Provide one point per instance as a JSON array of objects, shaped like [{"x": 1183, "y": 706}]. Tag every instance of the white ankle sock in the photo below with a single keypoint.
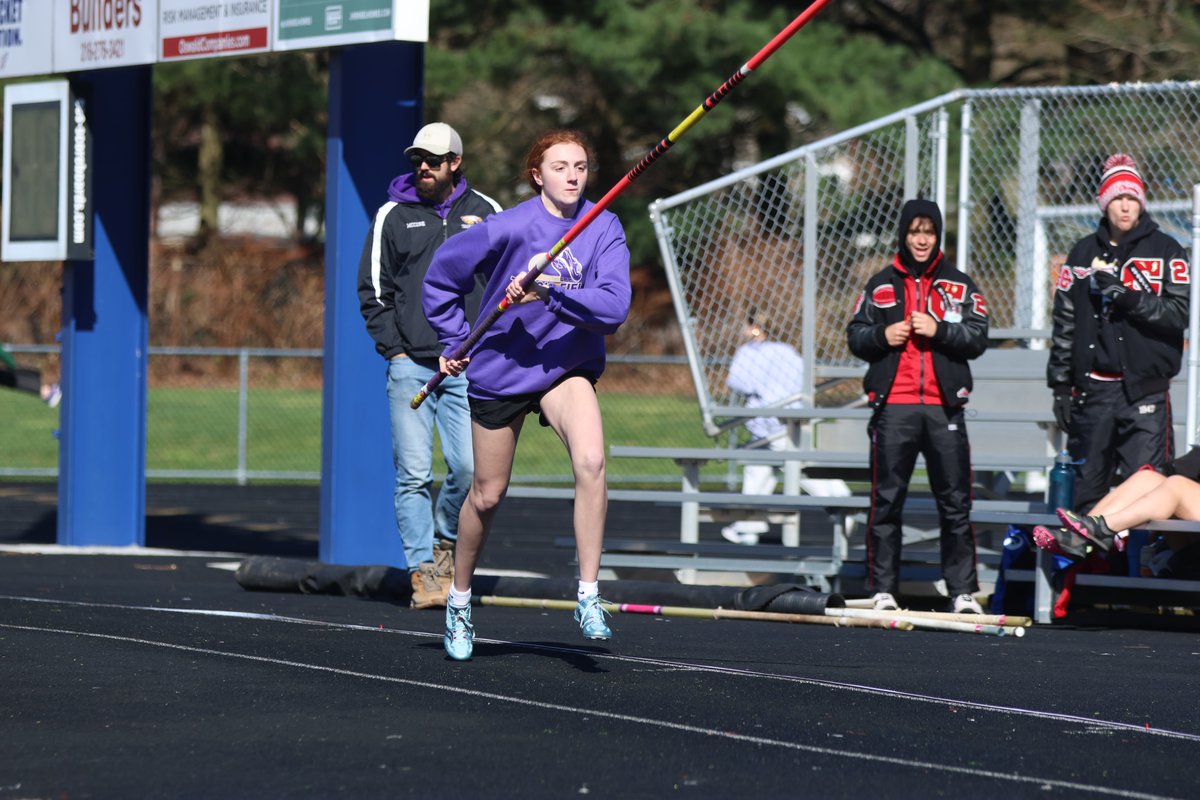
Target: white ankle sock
[
  {"x": 588, "y": 589},
  {"x": 460, "y": 599}
]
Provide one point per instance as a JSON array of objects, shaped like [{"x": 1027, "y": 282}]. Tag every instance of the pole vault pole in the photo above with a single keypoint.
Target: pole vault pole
[{"x": 545, "y": 259}]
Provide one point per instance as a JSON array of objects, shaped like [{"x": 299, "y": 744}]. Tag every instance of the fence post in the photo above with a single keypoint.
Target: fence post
[
  {"x": 912, "y": 155},
  {"x": 243, "y": 403},
  {"x": 1027, "y": 200},
  {"x": 1193, "y": 376},
  {"x": 963, "y": 258},
  {"x": 941, "y": 139},
  {"x": 808, "y": 310},
  {"x": 663, "y": 233}
]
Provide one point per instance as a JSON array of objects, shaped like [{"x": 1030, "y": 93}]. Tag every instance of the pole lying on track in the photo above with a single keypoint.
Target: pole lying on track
[
  {"x": 839, "y": 617},
  {"x": 545, "y": 259},
  {"x": 933, "y": 621},
  {"x": 1003, "y": 620},
  {"x": 701, "y": 613}
]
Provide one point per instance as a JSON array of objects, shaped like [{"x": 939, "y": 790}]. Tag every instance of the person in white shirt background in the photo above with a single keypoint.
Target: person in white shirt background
[{"x": 768, "y": 373}]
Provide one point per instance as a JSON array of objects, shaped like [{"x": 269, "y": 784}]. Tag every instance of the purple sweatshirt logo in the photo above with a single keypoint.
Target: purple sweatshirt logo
[{"x": 565, "y": 270}]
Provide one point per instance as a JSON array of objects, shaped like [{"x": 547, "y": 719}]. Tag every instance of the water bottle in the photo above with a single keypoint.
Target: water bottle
[
  {"x": 1061, "y": 493},
  {"x": 1016, "y": 544}
]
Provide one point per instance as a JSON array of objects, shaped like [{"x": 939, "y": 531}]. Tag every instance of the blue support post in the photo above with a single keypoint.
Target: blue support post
[
  {"x": 375, "y": 107},
  {"x": 102, "y": 446}
]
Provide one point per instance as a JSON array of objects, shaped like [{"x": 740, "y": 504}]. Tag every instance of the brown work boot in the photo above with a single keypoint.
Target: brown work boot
[
  {"x": 443, "y": 556},
  {"x": 443, "y": 564},
  {"x": 427, "y": 591}
]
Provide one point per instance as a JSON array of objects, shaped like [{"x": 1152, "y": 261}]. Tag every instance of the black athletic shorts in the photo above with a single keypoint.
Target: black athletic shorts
[{"x": 500, "y": 413}]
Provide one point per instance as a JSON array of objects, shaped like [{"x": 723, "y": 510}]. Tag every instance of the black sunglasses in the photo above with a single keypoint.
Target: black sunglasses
[{"x": 434, "y": 162}]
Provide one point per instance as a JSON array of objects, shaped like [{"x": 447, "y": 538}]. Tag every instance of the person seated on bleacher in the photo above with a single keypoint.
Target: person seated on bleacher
[
  {"x": 1146, "y": 495},
  {"x": 768, "y": 373}
]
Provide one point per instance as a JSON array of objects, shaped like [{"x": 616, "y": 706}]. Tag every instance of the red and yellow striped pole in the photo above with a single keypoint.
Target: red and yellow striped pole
[{"x": 709, "y": 103}]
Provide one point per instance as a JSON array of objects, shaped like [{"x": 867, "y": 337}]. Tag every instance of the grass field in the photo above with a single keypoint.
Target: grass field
[{"x": 197, "y": 429}]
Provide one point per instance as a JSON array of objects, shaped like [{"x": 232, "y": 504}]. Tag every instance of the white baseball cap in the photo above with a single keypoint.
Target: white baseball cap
[{"x": 437, "y": 138}]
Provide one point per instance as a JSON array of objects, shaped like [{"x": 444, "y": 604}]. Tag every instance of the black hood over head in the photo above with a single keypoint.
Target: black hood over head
[{"x": 913, "y": 209}]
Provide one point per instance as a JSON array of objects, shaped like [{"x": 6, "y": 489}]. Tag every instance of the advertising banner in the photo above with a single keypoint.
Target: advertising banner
[
  {"x": 325, "y": 23},
  {"x": 204, "y": 28},
  {"x": 95, "y": 34},
  {"x": 26, "y": 29}
]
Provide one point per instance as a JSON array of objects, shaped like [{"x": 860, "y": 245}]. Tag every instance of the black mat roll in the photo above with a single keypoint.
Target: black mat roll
[
  {"x": 273, "y": 574},
  {"x": 787, "y": 598}
]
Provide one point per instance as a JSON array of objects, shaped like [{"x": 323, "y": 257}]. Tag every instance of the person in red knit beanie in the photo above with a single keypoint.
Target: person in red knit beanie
[{"x": 1120, "y": 310}]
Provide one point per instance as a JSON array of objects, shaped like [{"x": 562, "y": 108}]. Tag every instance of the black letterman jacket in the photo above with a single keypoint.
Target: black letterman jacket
[
  {"x": 955, "y": 297},
  {"x": 1149, "y": 335}
]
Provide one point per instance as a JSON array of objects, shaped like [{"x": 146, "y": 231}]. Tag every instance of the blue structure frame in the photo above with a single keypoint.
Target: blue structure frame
[
  {"x": 102, "y": 446},
  {"x": 375, "y": 108}
]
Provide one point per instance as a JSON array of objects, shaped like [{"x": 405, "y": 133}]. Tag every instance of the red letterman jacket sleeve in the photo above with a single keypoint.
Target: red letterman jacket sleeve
[
  {"x": 866, "y": 334},
  {"x": 966, "y": 339},
  {"x": 1167, "y": 312}
]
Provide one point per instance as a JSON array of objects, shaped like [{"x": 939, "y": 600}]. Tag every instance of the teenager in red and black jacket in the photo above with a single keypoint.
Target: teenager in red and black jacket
[
  {"x": 917, "y": 324},
  {"x": 1120, "y": 310}
]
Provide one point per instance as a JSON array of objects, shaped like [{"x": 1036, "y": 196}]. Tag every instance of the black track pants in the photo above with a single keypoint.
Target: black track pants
[
  {"x": 1113, "y": 435},
  {"x": 898, "y": 433}
]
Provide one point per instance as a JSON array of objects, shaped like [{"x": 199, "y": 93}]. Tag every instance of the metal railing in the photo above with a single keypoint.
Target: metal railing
[
  {"x": 247, "y": 414},
  {"x": 795, "y": 238}
]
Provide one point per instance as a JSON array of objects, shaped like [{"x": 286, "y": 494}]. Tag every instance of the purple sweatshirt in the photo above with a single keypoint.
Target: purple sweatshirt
[{"x": 531, "y": 345}]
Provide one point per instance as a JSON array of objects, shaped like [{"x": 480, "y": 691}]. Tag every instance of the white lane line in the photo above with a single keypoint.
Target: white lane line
[
  {"x": 1041, "y": 783},
  {"x": 111, "y": 550},
  {"x": 895, "y": 694}
]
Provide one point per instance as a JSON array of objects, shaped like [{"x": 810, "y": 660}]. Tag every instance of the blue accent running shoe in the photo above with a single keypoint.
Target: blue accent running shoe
[
  {"x": 460, "y": 633},
  {"x": 590, "y": 615}
]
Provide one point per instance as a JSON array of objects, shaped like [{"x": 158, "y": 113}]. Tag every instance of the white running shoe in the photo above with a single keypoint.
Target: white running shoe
[
  {"x": 732, "y": 534},
  {"x": 885, "y": 602},
  {"x": 966, "y": 604}
]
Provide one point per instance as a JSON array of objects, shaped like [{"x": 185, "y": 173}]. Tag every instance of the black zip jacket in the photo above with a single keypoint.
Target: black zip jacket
[
  {"x": 956, "y": 303},
  {"x": 1149, "y": 335},
  {"x": 954, "y": 344},
  {"x": 400, "y": 245}
]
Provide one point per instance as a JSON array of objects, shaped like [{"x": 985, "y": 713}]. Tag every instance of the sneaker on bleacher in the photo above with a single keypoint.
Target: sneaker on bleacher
[
  {"x": 52, "y": 395},
  {"x": 1061, "y": 542},
  {"x": 732, "y": 534},
  {"x": 1093, "y": 528}
]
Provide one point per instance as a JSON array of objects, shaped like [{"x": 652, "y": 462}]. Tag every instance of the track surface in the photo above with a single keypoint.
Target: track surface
[{"x": 156, "y": 675}]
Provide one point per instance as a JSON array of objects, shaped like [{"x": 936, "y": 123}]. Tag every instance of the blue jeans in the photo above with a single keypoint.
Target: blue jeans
[{"x": 412, "y": 453}]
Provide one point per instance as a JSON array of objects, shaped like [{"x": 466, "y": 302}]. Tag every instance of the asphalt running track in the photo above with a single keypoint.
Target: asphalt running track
[
  {"x": 155, "y": 674},
  {"x": 139, "y": 676}
]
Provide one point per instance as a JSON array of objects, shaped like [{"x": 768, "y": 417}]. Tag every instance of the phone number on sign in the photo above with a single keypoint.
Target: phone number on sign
[{"x": 102, "y": 50}]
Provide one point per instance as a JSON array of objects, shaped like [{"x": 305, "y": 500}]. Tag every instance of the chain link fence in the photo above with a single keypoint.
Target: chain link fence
[
  {"x": 254, "y": 414},
  {"x": 791, "y": 240},
  {"x": 794, "y": 239}
]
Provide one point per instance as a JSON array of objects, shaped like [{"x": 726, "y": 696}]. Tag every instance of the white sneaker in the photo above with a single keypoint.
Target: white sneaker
[
  {"x": 52, "y": 395},
  {"x": 885, "y": 602},
  {"x": 966, "y": 604},
  {"x": 732, "y": 534}
]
